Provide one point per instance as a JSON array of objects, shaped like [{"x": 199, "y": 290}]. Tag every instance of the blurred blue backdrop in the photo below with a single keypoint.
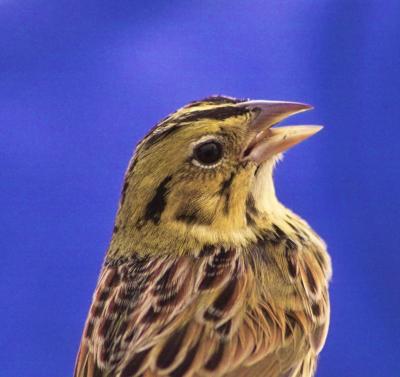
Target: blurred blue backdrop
[{"x": 82, "y": 81}]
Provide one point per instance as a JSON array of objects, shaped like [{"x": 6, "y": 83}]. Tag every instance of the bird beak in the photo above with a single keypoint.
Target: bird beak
[{"x": 266, "y": 141}]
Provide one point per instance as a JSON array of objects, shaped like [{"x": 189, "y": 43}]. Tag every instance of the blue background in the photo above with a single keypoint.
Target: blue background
[{"x": 82, "y": 81}]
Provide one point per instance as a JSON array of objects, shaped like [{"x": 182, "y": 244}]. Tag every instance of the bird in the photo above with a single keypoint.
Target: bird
[{"x": 207, "y": 273}]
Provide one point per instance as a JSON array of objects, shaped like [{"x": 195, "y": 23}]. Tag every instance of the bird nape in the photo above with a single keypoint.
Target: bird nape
[{"x": 207, "y": 273}]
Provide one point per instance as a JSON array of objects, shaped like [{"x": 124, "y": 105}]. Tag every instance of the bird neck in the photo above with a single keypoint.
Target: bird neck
[
  {"x": 171, "y": 238},
  {"x": 165, "y": 236}
]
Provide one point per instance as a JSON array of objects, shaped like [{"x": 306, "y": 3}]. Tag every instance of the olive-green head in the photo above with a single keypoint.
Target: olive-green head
[{"x": 199, "y": 172}]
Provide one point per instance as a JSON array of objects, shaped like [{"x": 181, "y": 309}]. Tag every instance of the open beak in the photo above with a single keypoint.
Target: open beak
[{"x": 266, "y": 141}]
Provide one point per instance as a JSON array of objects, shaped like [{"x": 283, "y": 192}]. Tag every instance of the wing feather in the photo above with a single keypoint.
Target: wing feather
[
  {"x": 152, "y": 314},
  {"x": 207, "y": 316}
]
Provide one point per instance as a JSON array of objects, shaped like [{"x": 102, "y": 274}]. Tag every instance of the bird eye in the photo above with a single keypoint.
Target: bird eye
[{"x": 208, "y": 153}]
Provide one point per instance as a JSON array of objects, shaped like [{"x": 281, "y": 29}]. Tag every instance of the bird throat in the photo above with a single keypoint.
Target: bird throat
[{"x": 263, "y": 189}]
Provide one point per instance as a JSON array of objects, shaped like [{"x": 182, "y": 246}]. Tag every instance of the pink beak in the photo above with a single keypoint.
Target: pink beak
[{"x": 267, "y": 141}]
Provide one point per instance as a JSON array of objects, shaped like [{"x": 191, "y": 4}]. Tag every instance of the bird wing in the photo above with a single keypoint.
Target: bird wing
[
  {"x": 192, "y": 316},
  {"x": 166, "y": 316}
]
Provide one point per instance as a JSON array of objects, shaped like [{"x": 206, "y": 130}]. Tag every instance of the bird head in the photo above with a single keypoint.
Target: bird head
[{"x": 203, "y": 171}]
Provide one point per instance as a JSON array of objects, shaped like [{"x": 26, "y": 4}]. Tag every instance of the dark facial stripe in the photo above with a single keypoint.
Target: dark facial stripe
[
  {"x": 218, "y": 113},
  {"x": 187, "y": 217},
  {"x": 249, "y": 219},
  {"x": 225, "y": 191},
  {"x": 226, "y": 185},
  {"x": 156, "y": 206},
  {"x": 251, "y": 205},
  {"x": 156, "y": 137},
  {"x": 251, "y": 210},
  {"x": 215, "y": 100},
  {"x": 191, "y": 215}
]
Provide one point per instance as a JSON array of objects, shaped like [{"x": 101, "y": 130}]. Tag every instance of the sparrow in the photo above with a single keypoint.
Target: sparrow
[{"x": 207, "y": 273}]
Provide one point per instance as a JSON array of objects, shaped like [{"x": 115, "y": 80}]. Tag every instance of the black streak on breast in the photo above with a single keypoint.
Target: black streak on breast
[
  {"x": 156, "y": 206},
  {"x": 291, "y": 322},
  {"x": 311, "y": 280},
  {"x": 316, "y": 309},
  {"x": 291, "y": 257},
  {"x": 224, "y": 329},
  {"x": 207, "y": 250},
  {"x": 280, "y": 234}
]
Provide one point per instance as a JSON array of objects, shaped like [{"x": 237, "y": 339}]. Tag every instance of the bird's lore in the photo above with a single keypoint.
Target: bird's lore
[{"x": 207, "y": 273}]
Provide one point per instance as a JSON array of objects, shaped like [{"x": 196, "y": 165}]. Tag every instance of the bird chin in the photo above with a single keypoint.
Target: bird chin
[
  {"x": 262, "y": 188},
  {"x": 267, "y": 167}
]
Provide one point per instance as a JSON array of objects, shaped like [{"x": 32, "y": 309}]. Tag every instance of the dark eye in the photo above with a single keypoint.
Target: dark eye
[{"x": 208, "y": 153}]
